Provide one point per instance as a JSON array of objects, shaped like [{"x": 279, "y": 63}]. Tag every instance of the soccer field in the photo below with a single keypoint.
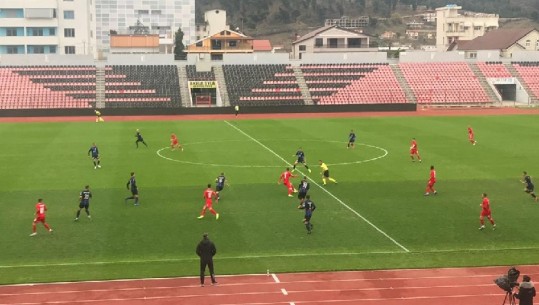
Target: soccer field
[{"x": 375, "y": 217}]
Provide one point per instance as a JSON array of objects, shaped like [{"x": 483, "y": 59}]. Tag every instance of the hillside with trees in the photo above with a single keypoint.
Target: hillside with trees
[{"x": 282, "y": 20}]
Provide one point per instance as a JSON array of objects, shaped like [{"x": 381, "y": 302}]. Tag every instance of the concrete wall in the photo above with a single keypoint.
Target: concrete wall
[{"x": 41, "y": 59}]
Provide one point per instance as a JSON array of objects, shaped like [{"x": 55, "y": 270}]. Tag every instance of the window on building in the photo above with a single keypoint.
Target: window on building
[
  {"x": 11, "y": 32},
  {"x": 472, "y": 55},
  {"x": 477, "y": 28},
  {"x": 318, "y": 42},
  {"x": 302, "y": 47},
  {"x": 12, "y": 50},
  {"x": 69, "y": 49},
  {"x": 217, "y": 57},
  {"x": 68, "y": 32},
  {"x": 233, "y": 43},
  {"x": 156, "y": 12},
  {"x": 528, "y": 43},
  {"x": 52, "y": 49},
  {"x": 35, "y": 32},
  {"x": 143, "y": 12},
  {"x": 52, "y": 32},
  {"x": 69, "y": 14},
  {"x": 199, "y": 43},
  {"x": 37, "y": 50}
]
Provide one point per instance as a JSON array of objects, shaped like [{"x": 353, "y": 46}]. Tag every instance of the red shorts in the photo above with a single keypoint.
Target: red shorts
[
  {"x": 40, "y": 218},
  {"x": 413, "y": 151},
  {"x": 485, "y": 213},
  {"x": 431, "y": 182},
  {"x": 208, "y": 203},
  {"x": 174, "y": 143},
  {"x": 470, "y": 136},
  {"x": 288, "y": 184}
]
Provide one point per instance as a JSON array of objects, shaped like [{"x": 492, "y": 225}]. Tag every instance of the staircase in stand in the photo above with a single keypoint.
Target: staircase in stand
[
  {"x": 483, "y": 81},
  {"x": 100, "y": 86},
  {"x": 533, "y": 99},
  {"x": 184, "y": 86},
  {"x": 305, "y": 93},
  {"x": 221, "y": 83},
  {"x": 408, "y": 92}
]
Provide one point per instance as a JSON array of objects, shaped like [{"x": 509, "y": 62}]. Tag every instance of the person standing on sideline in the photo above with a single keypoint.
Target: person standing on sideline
[
  {"x": 84, "y": 202},
  {"x": 309, "y": 207},
  {"x": 94, "y": 152},
  {"x": 325, "y": 173},
  {"x": 471, "y": 137},
  {"x": 132, "y": 185},
  {"x": 526, "y": 291},
  {"x": 431, "y": 182},
  {"x": 139, "y": 137},
  {"x": 41, "y": 208},
  {"x": 351, "y": 139},
  {"x": 236, "y": 110},
  {"x": 414, "y": 151},
  {"x": 526, "y": 179},
  {"x": 485, "y": 212},
  {"x": 206, "y": 250},
  {"x": 98, "y": 117}
]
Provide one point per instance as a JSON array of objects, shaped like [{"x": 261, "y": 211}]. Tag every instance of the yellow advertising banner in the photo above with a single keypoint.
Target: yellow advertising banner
[{"x": 203, "y": 84}]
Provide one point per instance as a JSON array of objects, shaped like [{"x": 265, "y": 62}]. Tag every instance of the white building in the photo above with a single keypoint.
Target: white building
[
  {"x": 162, "y": 17},
  {"x": 214, "y": 22},
  {"x": 453, "y": 25},
  {"x": 47, "y": 27}
]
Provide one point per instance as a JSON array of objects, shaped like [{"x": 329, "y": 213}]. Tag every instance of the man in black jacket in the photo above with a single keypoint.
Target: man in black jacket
[
  {"x": 526, "y": 291},
  {"x": 206, "y": 250}
]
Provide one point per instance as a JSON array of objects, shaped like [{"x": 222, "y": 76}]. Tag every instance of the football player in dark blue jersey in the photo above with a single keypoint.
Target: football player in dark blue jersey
[
  {"x": 132, "y": 186},
  {"x": 303, "y": 188},
  {"x": 300, "y": 155},
  {"x": 526, "y": 179},
  {"x": 351, "y": 139},
  {"x": 220, "y": 182},
  {"x": 84, "y": 202},
  {"x": 138, "y": 135},
  {"x": 94, "y": 153},
  {"x": 309, "y": 207}
]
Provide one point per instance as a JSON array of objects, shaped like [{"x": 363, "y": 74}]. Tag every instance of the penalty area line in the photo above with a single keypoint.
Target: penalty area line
[{"x": 323, "y": 189}]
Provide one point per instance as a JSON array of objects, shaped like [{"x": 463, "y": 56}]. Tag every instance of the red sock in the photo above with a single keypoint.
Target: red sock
[
  {"x": 213, "y": 211},
  {"x": 47, "y": 226},
  {"x": 492, "y": 221},
  {"x": 34, "y": 227},
  {"x": 482, "y": 222},
  {"x": 203, "y": 211}
]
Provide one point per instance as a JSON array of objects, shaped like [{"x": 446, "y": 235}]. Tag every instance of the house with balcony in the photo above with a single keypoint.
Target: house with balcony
[
  {"x": 331, "y": 39},
  {"x": 225, "y": 41}
]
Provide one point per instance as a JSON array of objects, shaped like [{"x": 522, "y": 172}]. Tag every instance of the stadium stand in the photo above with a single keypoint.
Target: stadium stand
[
  {"x": 493, "y": 69},
  {"x": 31, "y": 87},
  {"x": 262, "y": 85},
  {"x": 142, "y": 86},
  {"x": 193, "y": 75},
  {"x": 352, "y": 84},
  {"x": 529, "y": 72},
  {"x": 444, "y": 83}
]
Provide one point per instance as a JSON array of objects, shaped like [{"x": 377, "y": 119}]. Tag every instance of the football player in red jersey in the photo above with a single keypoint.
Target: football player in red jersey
[
  {"x": 485, "y": 212},
  {"x": 471, "y": 137},
  {"x": 431, "y": 182},
  {"x": 285, "y": 179},
  {"x": 41, "y": 208},
  {"x": 174, "y": 143},
  {"x": 208, "y": 196},
  {"x": 414, "y": 151}
]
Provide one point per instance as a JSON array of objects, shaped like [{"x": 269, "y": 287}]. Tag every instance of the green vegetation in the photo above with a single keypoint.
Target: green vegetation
[{"x": 260, "y": 227}]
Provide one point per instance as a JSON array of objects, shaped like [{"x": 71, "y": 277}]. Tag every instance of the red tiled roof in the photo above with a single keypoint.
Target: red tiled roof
[{"x": 262, "y": 45}]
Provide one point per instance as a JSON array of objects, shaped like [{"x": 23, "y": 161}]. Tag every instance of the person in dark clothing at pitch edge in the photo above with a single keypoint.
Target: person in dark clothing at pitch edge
[
  {"x": 206, "y": 250},
  {"x": 526, "y": 291}
]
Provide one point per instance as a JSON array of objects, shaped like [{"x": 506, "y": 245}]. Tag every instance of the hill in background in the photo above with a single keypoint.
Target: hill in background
[{"x": 282, "y": 20}]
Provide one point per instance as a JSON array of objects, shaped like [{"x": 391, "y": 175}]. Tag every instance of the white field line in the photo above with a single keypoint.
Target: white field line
[
  {"x": 275, "y": 278},
  {"x": 284, "y": 291},
  {"x": 323, "y": 189},
  {"x": 172, "y": 260}
]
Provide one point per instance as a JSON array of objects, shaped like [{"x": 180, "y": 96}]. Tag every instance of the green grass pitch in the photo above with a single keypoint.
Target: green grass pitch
[{"x": 375, "y": 217}]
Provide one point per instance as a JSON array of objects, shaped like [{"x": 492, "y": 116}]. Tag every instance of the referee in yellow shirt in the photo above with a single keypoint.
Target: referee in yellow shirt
[{"x": 325, "y": 173}]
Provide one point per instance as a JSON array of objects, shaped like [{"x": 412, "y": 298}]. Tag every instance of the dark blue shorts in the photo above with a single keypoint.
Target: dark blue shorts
[
  {"x": 308, "y": 216},
  {"x": 134, "y": 192},
  {"x": 219, "y": 187},
  {"x": 302, "y": 195},
  {"x": 301, "y": 160},
  {"x": 84, "y": 205},
  {"x": 530, "y": 188}
]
